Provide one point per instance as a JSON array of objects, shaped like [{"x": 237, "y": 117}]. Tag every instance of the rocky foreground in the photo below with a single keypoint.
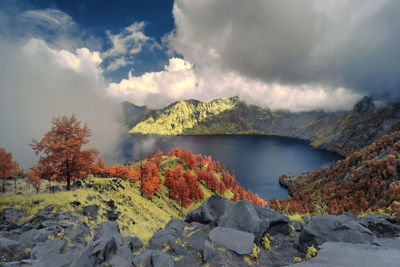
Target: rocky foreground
[{"x": 220, "y": 233}]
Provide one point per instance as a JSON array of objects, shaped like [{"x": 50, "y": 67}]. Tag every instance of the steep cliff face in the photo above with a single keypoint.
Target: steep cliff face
[{"x": 344, "y": 132}]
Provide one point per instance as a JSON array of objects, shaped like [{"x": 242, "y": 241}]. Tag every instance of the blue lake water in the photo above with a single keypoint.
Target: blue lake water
[{"x": 257, "y": 160}]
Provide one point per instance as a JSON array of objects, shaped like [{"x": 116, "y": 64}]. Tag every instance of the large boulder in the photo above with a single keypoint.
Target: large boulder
[
  {"x": 161, "y": 259},
  {"x": 78, "y": 234},
  {"x": 35, "y": 236},
  {"x": 105, "y": 244},
  {"x": 48, "y": 248},
  {"x": 134, "y": 243},
  {"x": 160, "y": 237},
  {"x": 122, "y": 258},
  {"x": 56, "y": 260},
  {"x": 12, "y": 215},
  {"x": 330, "y": 228},
  {"x": 175, "y": 227},
  {"x": 242, "y": 216},
  {"x": 91, "y": 210},
  {"x": 237, "y": 241},
  {"x": 153, "y": 258},
  {"x": 380, "y": 225},
  {"x": 10, "y": 249},
  {"x": 210, "y": 211},
  {"x": 251, "y": 218},
  {"x": 210, "y": 253},
  {"x": 333, "y": 254}
]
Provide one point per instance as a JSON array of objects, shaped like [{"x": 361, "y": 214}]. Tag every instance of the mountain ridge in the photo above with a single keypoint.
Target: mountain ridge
[{"x": 343, "y": 131}]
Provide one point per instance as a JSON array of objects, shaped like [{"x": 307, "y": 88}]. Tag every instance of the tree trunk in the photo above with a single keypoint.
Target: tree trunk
[
  {"x": 3, "y": 189},
  {"x": 68, "y": 183}
]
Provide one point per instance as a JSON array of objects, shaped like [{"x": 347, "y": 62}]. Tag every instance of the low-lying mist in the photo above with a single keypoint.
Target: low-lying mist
[{"x": 38, "y": 83}]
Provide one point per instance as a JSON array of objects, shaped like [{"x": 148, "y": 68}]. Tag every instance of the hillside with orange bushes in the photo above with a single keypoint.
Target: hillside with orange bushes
[
  {"x": 183, "y": 179},
  {"x": 366, "y": 181}
]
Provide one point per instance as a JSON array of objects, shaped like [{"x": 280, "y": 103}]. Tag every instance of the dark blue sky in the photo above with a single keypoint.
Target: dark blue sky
[{"x": 96, "y": 16}]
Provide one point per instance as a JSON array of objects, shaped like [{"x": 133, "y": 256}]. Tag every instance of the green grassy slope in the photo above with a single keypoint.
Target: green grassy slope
[{"x": 139, "y": 215}]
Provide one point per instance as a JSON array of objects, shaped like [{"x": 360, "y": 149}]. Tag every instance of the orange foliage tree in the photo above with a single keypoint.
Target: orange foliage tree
[
  {"x": 8, "y": 166},
  {"x": 99, "y": 169},
  {"x": 34, "y": 177},
  {"x": 61, "y": 151}
]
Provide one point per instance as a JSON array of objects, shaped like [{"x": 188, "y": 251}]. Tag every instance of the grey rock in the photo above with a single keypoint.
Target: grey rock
[
  {"x": 177, "y": 249},
  {"x": 197, "y": 238},
  {"x": 380, "y": 225},
  {"x": 46, "y": 210},
  {"x": 78, "y": 234},
  {"x": 210, "y": 211},
  {"x": 143, "y": 259},
  {"x": 48, "y": 248},
  {"x": 243, "y": 217},
  {"x": 35, "y": 236},
  {"x": 210, "y": 253},
  {"x": 77, "y": 184},
  {"x": 12, "y": 215},
  {"x": 161, "y": 259},
  {"x": 111, "y": 204},
  {"x": 334, "y": 254},
  {"x": 306, "y": 219},
  {"x": 134, "y": 243},
  {"x": 175, "y": 227},
  {"x": 160, "y": 237},
  {"x": 106, "y": 241},
  {"x": 107, "y": 230},
  {"x": 296, "y": 225},
  {"x": 60, "y": 260},
  {"x": 61, "y": 215},
  {"x": 12, "y": 264},
  {"x": 91, "y": 210},
  {"x": 11, "y": 250},
  {"x": 112, "y": 216},
  {"x": 104, "y": 249},
  {"x": 5, "y": 242},
  {"x": 85, "y": 258},
  {"x": 330, "y": 228},
  {"x": 237, "y": 241},
  {"x": 75, "y": 203},
  {"x": 123, "y": 257}
]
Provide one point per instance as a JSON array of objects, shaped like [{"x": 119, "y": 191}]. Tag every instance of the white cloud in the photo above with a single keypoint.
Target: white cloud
[
  {"x": 39, "y": 82},
  {"x": 118, "y": 63},
  {"x": 49, "y": 18},
  {"x": 313, "y": 50},
  {"x": 126, "y": 44},
  {"x": 176, "y": 81},
  {"x": 180, "y": 80}
]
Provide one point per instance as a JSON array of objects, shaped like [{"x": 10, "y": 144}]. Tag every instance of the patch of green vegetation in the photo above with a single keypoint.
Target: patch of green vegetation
[
  {"x": 297, "y": 259},
  {"x": 247, "y": 260},
  {"x": 175, "y": 119},
  {"x": 298, "y": 217},
  {"x": 266, "y": 242},
  {"x": 311, "y": 252},
  {"x": 255, "y": 252}
]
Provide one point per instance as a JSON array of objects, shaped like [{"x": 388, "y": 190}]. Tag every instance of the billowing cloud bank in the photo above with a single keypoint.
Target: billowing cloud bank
[
  {"x": 39, "y": 82},
  {"x": 298, "y": 55}
]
